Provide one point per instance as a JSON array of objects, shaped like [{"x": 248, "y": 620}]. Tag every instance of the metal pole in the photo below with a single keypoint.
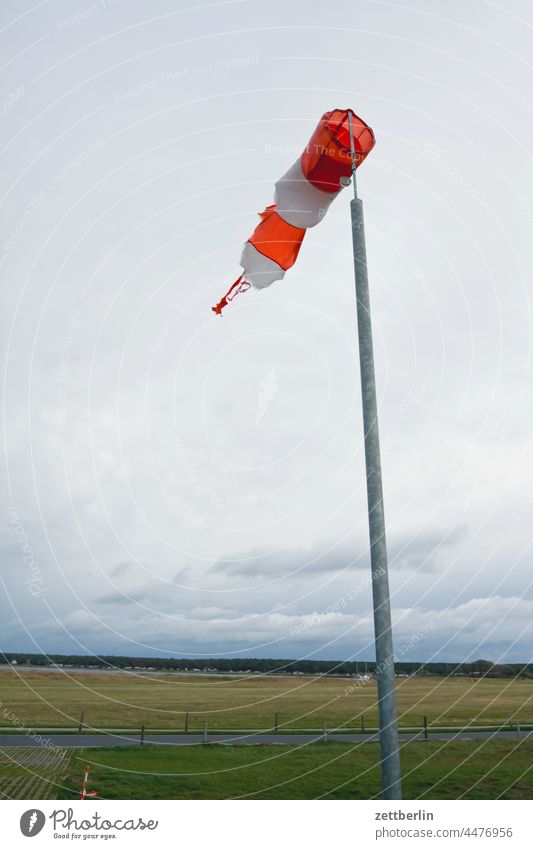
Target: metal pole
[{"x": 388, "y": 728}]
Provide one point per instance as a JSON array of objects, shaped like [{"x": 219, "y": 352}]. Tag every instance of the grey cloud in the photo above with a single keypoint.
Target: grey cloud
[
  {"x": 457, "y": 633},
  {"x": 291, "y": 563},
  {"x": 425, "y": 551},
  {"x": 420, "y": 551}
]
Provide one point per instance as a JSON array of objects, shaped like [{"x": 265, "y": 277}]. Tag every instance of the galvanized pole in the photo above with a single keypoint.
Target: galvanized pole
[{"x": 388, "y": 728}]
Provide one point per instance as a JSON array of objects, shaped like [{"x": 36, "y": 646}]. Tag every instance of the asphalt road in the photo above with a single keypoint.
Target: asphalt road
[{"x": 78, "y": 741}]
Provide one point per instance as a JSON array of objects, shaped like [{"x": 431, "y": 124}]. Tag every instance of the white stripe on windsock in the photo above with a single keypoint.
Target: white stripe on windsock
[
  {"x": 259, "y": 270},
  {"x": 298, "y": 201}
]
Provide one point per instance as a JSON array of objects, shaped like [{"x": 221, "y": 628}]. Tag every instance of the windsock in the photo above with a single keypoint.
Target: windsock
[
  {"x": 84, "y": 792},
  {"x": 302, "y": 197}
]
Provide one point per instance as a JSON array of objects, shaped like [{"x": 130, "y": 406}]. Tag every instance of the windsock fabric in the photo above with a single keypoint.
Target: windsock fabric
[{"x": 302, "y": 198}]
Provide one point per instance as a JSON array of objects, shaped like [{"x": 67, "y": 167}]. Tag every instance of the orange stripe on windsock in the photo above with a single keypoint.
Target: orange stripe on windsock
[{"x": 277, "y": 239}]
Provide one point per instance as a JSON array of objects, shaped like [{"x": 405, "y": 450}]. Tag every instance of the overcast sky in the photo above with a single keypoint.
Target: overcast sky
[{"x": 177, "y": 483}]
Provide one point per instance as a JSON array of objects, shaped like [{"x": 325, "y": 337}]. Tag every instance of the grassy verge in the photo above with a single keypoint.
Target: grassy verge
[{"x": 432, "y": 770}]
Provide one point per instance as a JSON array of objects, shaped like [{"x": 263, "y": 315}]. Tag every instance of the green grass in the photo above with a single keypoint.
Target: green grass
[
  {"x": 431, "y": 770},
  {"x": 40, "y": 699},
  {"x": 32, "y": 773}
]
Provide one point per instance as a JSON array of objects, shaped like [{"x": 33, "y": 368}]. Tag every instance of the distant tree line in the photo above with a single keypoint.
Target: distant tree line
[{"x": 477, "y": 668}]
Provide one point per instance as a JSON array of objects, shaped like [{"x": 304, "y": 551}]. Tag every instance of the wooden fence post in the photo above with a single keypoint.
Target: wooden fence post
[
  {"x": 205, "y": 732},
  {"x": 142, "y": 735},
  {"x": 425, "y": 728},
  {"x": 80, "y": 726},
  {"x": 362, "y": 723},
  {"x": 276, "y": 722},
  {"x": 186, "y": 722}
]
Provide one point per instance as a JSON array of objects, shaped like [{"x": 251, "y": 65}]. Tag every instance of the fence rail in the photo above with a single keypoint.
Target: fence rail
[{"x": 425, "y": 728}]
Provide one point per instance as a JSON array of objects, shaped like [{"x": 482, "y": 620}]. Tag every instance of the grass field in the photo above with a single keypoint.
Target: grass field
[
  {"x": 431, "y": 770},
  {"x": 38, "y": 699},
  {"x": 36, "y": 773}
]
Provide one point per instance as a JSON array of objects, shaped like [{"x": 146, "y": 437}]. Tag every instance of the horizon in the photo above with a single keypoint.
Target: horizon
[{"x": 338, "y": 661}]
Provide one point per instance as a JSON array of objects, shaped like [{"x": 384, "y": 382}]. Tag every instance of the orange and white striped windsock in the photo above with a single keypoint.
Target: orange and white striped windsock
[{"x": 301, "y": 199}]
